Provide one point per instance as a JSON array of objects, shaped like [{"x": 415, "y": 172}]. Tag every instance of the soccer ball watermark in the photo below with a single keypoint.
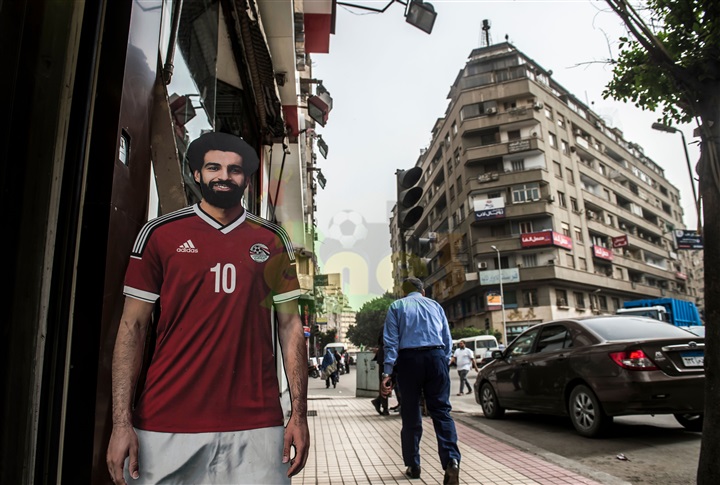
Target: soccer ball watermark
[{"x": 348, "y": 228}]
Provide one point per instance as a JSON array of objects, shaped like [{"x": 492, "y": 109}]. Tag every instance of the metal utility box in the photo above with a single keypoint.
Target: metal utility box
[{"x": 366, "y": 373}]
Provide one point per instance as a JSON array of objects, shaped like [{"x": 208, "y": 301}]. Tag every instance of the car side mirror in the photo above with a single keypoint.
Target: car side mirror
[{"x": 497, "y": 354}]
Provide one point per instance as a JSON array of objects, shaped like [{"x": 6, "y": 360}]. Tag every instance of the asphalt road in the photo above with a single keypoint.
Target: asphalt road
[{"x": 657, "y": 449}]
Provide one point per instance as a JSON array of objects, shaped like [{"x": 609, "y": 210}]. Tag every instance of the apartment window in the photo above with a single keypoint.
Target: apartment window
[
  {"x": 561, "y": 199},
  {"x": 570, "y": 176},
  {"x": 616, "y": 303},
  {"x": 578, "y": 235},
  {"x": 513, "y": 135},
  {"x": 548, "y": 113},
  {"x": 529, "y": 260},
  {"x": 525, "y": 227},
  {"x": 579, "y": 300},
  {"x": 618, "y": 273},
  {"x": 454, "y": 129},
  {"x": 583, "y": 264},
  {"x": 450, "y": 167},
  {"x": 526, "y": 193},
  {"x": 452, "y": 193},
  {"x": 552, "y": 139},
  {"x": 565, "y": 228},
  {"x": 561, "y": 121},
  {"x": 461, "y": 212},
  {"x": 606, "y": 193},
  {"x": 498, "y": 230},
  {"x": 447, "y": 140},
  {"x": 601, "y": 169},
  {"x": 565, "y": 147},
  {"x": 530, "y": 298},
  {"x": 610, "y": 220},
  {"x": 570, "y": 260},
  {"x": 557, "y": 168},
  {"x": 602, "y": 302},
  {"x": 456, "y": 156},
  {"x": 574, "y": 205},
  {"x": 518, "y": 165},
  {"x": 599, "y": 241},
  {"x": 561, "y": 297}
]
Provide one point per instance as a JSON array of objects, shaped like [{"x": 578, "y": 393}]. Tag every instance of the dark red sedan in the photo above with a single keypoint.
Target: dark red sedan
[{"x": 595, "y": 368}]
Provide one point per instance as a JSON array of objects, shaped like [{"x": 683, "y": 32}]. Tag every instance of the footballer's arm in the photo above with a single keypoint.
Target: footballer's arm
[
  {"x": 127, "y": 360},
  {"x": 294, "y": 350}
]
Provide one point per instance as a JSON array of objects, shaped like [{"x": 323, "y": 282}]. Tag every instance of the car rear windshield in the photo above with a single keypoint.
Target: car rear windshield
[{"x": 633, "y": 329}]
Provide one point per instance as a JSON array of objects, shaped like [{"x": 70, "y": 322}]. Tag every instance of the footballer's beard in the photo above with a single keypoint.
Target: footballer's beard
[{"x": 222, "y": 199}]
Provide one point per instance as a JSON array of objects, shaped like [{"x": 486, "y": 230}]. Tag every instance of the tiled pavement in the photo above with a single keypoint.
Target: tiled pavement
[{"x": 352, "y": 444}]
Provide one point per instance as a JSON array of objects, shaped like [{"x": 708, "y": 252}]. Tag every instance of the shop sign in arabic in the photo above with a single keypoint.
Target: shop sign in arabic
[
  {"x": 489, "y": 208},
  {"x": 620, "y": 241},
  {"x": 491, "y": 277},
  {"x": 688, "y": 239},
  {"x": 602, "y": 253},
  {"x": 545, "y": 238}
]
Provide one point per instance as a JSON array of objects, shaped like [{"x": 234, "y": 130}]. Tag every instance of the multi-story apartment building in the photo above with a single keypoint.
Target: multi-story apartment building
[{"x": 523, "y": 181}]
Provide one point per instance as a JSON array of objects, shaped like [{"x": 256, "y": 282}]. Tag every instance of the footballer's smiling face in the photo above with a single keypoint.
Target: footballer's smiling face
[{"x": 222, "y": 179}]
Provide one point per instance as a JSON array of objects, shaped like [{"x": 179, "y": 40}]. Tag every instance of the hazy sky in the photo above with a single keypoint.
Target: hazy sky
[{"x": 389, "y": 83}]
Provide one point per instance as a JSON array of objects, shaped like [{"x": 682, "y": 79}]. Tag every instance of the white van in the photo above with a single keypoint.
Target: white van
[
  {"x": 481, "y": 345},
  {"x": 335, "y": 346}
]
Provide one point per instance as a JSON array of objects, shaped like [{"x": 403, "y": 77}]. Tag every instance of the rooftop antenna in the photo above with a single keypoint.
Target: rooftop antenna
[{"x": 485, "y": 39}]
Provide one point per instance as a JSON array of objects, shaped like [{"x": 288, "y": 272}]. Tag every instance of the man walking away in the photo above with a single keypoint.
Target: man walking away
[
  {"x": 464, "y": 359},
  {"x": 417, "y": 351}
]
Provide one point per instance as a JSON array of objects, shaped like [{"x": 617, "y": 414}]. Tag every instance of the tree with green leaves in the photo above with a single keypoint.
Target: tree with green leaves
[
  {"x": 670, "y": 63},
  {"x": 369, "y": 321}
]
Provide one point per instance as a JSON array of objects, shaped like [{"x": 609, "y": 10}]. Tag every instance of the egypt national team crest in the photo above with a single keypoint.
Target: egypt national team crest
[{"x": 259, "y": 253}]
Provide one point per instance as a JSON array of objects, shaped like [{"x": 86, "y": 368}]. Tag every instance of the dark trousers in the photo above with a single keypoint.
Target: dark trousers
[{"x": 425, "y": 373}]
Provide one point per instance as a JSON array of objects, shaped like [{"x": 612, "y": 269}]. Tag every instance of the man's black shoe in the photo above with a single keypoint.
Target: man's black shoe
[
  {"x": 452, "y": 473},
  {"x": 413, "y": 472},
  {"x": 376, "y": 403}
]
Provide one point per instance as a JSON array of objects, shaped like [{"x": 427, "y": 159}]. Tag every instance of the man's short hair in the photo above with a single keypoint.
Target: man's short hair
[
  {"x": 224, "y": 142},
  {"x": 412, "y": 284}
]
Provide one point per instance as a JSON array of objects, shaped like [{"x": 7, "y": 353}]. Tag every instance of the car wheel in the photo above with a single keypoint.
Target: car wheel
[
  {"x": 489, "y": 402},
  {"x": 586, "y": 413},
  {"x": 691, "y": 422}
]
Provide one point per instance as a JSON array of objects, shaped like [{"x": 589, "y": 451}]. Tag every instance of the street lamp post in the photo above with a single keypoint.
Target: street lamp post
[
  {"x": 672, "y": 129},
  {"x": 502, "y": 295}
]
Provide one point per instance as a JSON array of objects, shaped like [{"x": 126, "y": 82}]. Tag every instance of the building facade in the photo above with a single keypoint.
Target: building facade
[
  {"x": 524, "y": 184},
  {"x": 104, "y": 98}
]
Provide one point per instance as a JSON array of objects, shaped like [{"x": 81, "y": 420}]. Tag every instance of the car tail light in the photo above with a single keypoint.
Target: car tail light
[{"x": 633, "y": 360}]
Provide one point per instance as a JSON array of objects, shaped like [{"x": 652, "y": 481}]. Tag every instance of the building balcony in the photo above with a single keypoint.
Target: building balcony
[
  {"x": 492, "y": 180},
  {"x": 526, "y": 114},
  {"x": 495, "y": 150}
]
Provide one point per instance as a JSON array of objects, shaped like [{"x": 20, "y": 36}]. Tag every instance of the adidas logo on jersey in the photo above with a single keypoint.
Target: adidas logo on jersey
[{"x": 187, "y": 247}]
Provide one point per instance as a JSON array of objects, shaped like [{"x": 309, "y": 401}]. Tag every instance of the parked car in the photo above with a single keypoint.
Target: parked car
[
  {"x": 595, "y": 368},
  {"x": 698, "y": 330}
]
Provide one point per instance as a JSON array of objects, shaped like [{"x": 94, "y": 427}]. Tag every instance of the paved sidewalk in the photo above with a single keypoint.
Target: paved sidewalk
[{"x": 352, "y": 444}]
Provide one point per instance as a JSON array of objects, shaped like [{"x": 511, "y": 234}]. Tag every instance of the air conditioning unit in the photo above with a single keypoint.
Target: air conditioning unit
[
  {"x": 491, "y": 111},
  {"x": 551, "y": 198},
  {"x": 578, "y": 131},
  {"x": 432, "y": 236},
  {"x": 482, "y": 265},
  {"x": 538, "y": 105},
  {"x": 551, "y": 262},
  {"x": 591, "y": 215}
]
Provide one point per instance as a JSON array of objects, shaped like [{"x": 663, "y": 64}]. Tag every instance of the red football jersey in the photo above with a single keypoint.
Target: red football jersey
[{"x": 213, "y": 367}]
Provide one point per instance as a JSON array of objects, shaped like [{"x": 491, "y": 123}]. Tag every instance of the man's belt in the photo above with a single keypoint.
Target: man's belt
[{"x": 429, "y": 347}]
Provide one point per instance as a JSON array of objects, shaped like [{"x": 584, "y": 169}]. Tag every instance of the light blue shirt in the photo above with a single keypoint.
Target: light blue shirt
[{"x": 412, "y": 322}]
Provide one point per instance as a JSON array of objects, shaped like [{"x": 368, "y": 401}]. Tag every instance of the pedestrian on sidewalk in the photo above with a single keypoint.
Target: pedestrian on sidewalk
[
  {"x": 329, "y": 369},
  {"x": 417, "y": 350},
  {"x": 380, "y": 402},
  {"x": 216, "y": 271},
  {"x": 464, "y": 359}
]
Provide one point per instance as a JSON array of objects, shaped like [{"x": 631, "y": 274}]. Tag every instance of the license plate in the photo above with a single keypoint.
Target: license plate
[{"x": 693, "y": 359}]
